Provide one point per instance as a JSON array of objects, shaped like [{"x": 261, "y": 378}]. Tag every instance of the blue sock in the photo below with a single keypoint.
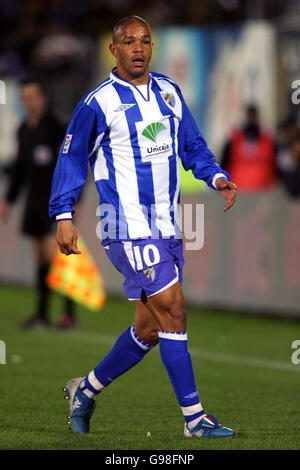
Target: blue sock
[
  {"x": 127, "y": 351},
  {"x": 177, "y": 361}
]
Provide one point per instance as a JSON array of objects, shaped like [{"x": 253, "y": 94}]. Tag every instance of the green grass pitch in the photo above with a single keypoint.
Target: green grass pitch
[{"x": 242, "y": 365}]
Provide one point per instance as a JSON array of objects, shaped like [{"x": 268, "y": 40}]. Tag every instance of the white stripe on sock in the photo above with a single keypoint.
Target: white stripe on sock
[
  {"x": 135, "y": 337},
  {"x": 194, "y": 422},
  {"x": 191, "y": 410},
  {"x": 94, "y": 381},
  {"x": 173, "y": 335}
]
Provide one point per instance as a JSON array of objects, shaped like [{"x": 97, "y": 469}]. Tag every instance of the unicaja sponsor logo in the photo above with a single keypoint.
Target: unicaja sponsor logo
[
  {"x": 2, "y": 92},
  {"x": 158, "y": 149},
  {"x": 2, "y": 352},
  {"x": 151, "y": 131}
]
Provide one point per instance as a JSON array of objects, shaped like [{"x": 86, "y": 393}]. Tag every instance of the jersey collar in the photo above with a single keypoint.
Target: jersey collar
[{"x": 122, "y": 81}]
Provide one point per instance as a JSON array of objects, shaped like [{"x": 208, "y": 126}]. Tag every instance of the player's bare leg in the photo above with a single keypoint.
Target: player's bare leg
[
  {"x": 168, "y": 309},
  {"x": 145, "y": 324}
]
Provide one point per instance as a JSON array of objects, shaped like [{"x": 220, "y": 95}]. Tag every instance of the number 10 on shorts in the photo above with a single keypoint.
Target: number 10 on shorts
[{"x": 149, "y": 253}]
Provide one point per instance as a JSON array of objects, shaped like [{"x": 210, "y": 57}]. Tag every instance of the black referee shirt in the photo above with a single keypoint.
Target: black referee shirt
[{"x": 38, "y": 149}]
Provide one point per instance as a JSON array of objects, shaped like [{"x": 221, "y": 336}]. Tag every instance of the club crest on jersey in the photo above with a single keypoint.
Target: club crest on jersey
[
  {"x": 67, "y": 143},
  {"x": 169, "y": 98},
  {"x": 124, "y": 107}
]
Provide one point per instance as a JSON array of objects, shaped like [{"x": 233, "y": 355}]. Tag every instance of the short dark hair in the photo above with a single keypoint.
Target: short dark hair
[
  {"x": 34, "y": 81},
  {"x": 132, "y": 19}
]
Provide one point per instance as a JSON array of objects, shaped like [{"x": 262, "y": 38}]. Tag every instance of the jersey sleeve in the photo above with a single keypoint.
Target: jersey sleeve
[
  {"x": 194, "y": 152},
  {"x": 72, "y": 164}
]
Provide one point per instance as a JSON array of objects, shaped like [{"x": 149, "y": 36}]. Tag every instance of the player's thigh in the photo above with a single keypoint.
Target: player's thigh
[{"x": 145, "y": 324}]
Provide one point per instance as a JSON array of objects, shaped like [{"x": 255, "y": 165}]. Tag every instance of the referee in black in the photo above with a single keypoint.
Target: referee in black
[{"x": 39, "y": 138}]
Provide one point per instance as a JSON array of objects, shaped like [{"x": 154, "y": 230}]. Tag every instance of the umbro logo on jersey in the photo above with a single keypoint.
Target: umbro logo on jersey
[{"x": 123, "y": 107}]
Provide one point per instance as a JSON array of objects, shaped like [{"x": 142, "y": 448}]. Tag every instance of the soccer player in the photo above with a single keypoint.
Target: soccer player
[
  {"x": 39, "y": 138},
  {"x": 130, "y": 129}
]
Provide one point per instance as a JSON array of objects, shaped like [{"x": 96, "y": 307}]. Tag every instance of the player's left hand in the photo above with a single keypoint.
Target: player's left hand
[
  {"x": 66, "y": 237},
  {"x": 228, "y": 190}
]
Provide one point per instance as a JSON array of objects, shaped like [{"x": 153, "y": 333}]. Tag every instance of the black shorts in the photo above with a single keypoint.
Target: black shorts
[{"x": 36, "y": 221}]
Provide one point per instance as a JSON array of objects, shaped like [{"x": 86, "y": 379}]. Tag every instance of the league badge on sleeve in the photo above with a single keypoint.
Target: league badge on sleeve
[
  {"x": 67, "y": 143},
  {"x": 169, "y": 98}
]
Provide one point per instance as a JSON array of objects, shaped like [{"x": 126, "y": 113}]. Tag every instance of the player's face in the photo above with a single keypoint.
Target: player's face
[
  {"x": 133, "y": 50},
  {"x": 33, "y": 98}
]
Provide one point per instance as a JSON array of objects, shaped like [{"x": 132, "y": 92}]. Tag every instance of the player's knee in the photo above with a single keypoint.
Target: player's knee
[
  {"x": 176, "y": 315},
  {"x": 152, "y": 337},
  {"x": 173, "y": 314},
  {"x": 149, "y": 335}
]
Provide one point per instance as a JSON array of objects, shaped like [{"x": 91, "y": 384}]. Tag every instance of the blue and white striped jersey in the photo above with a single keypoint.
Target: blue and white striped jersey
[{"x": 132, "y": 141}]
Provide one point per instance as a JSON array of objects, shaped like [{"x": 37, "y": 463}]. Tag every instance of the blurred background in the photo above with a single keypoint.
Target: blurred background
[{"x": 237, "y": 63}]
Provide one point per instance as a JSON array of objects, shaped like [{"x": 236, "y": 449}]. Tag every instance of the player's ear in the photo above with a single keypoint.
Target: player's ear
[{"x": 113, "y": 49}]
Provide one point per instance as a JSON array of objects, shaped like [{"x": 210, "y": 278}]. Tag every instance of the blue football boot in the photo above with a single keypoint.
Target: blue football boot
[
  {"x": 208, "y": 427},
  {"x": 81, "y": 406}
]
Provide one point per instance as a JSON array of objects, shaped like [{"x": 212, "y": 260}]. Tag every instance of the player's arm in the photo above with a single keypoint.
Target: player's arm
[
  {"x": 196, "y": 156},
  {"x": 70, "y": 174}
]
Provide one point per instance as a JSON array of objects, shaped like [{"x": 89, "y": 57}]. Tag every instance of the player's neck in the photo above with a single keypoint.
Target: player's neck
[{"x": 142, "y": 80}]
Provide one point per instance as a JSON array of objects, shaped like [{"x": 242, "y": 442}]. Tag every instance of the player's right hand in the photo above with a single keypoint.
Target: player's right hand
[
  {"x": 228, "y": 190},
  {"x": 66, "y": 237}
]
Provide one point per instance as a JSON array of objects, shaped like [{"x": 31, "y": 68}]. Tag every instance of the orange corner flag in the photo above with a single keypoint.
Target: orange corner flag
[{"x": 78, "y": 277}]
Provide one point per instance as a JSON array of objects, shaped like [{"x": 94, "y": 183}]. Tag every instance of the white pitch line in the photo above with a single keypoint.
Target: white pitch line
[
  {"x": 99, "y": 338},
  {"x": 247, "y": 361}
]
